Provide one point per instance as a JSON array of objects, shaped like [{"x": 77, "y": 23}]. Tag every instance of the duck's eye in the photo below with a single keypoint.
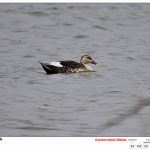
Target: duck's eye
[{"x": 89, "y": 57}]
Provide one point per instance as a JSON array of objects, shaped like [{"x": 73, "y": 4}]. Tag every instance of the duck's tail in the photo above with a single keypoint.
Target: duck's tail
[{"x": 47, "y": 68}]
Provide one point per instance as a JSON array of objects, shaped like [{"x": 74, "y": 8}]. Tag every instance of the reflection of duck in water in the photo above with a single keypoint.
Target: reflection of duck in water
[{"x": 69, "y": 66}]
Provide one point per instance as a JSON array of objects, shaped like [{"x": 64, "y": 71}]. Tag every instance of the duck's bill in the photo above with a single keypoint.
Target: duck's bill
[
  {"x": 98, "y": 65},
  {"x": 95, "y": 63}
]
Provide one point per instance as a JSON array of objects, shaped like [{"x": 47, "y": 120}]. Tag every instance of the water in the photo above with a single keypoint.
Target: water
[{"x": 35, "y": 104}]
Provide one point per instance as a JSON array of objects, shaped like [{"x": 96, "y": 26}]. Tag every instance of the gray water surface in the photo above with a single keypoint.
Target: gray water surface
[{"x": 81, "y": 104}]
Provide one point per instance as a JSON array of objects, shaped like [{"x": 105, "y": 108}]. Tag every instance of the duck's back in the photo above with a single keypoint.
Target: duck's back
[
  {"x": 70, "y": 63},
  {"x": 71, "y": 66}
]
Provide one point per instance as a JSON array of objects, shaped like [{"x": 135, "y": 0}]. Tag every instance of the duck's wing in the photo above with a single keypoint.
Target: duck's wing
[{"x": 71, "y": 64}]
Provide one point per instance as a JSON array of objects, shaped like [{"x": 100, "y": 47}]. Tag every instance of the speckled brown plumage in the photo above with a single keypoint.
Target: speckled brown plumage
[{"x": 68, "y": 66}]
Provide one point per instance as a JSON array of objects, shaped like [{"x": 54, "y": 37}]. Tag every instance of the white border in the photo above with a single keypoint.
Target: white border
[
  {"x": 74, "y": 1},
  {"x": 65, "y": 143}
]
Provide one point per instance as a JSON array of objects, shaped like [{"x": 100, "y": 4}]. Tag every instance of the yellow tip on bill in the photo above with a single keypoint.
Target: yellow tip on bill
[{"x": 98, "y": 65}]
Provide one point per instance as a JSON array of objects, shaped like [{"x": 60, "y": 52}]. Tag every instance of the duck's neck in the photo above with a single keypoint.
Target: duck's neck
[{"x": 89, "y": 68}]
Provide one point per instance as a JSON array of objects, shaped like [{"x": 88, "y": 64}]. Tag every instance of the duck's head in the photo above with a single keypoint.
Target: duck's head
[{"x": 86, "y": 59}]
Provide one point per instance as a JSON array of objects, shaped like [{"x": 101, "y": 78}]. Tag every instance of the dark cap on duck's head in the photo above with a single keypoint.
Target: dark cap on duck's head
[{"x": 86, "y": 59}]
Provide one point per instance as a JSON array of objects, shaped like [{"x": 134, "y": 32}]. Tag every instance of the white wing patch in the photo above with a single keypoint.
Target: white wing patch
[{"x": 56, "y": 64}]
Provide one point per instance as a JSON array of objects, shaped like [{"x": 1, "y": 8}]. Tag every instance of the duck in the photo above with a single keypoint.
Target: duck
[{"x": 69, "y": 66}]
